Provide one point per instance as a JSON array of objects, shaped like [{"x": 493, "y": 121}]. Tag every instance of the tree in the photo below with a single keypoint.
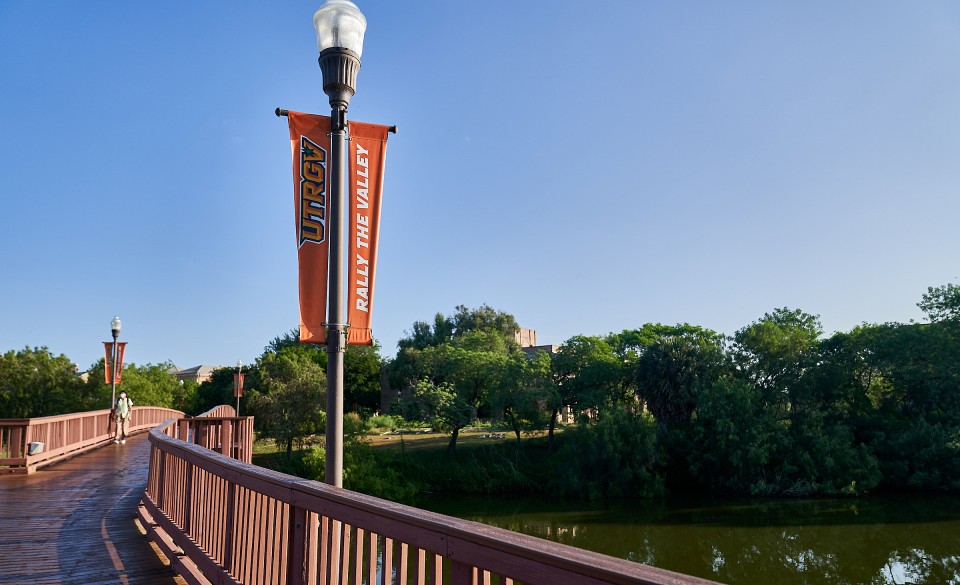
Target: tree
[
  {"x": 289, "y": 403},
  {"x": 289, "y": 339},
  {"x": 361, "y": 378},
  {"x": 473, "y": 365},
  {"x": 588, "y": 372},
  {"x": 485, "y": 318},
  {"x": 446, "y": 408},
  {"x": 466, "y": 350},
  {"x": 614, "y": 458},
  {"x": 524, "y": 391},
  {"x": 446, "y": 329},
  {"x": 736, "y": 443},
  {"x": 218, "y": 389},
  {"x": 941, "y": 303},
  {"x": 631, "y": 343},
  {"x": 917, "y": 397},
  {"x": 673, "y": 372},
  {"x": 775, "y": 352},
  {"x": 150, "y": 384},
  {"x": 361, "y": 369},
  {"x": 34, "y": 382}
]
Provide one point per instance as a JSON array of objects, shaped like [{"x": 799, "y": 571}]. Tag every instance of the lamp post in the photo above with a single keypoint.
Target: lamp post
[
  {"x": 239, "y": 384},
  {"x": 340, "y": 26},
  {"x": 115, "y": 324}
]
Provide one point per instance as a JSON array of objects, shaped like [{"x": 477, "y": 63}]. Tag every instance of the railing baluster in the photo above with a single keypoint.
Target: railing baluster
[
  {"x": 229, "y": 526},
  {"x": 437, "y": 570},
  {"x": 404, "y": 563},
  {"x": 335, "y": 562},
  {"x": 372, "y": 551},
  {"x": 420, "y": 568},
  {"x": 187, "y": 497},
  {"x": 323, "y": 566},
  {"x": 345, "y": 552},
  {"x": 386, "y": 565},
  {"x": 358, "y": 557},
  {"x": 297, "y": 539}
]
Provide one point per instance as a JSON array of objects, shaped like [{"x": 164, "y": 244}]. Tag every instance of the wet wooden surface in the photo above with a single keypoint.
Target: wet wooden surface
[{"x": 74, "y": 522}]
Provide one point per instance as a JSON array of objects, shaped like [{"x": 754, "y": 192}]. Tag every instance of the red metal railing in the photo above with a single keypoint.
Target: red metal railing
[
  {"x": 223, "y": 521},
  {"x": 220, "y": 430},
  {"x": 66, "y": 435}
]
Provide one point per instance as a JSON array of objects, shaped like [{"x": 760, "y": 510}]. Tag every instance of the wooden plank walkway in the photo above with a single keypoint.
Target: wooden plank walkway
[{"x": 74, "y": 522}]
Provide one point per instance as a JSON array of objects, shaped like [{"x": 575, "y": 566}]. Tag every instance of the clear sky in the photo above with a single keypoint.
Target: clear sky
[{"x": 586, "y": 166}]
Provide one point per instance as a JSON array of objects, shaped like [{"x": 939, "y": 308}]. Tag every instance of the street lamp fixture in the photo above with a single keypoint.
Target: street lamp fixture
[
  {"x": 340, "y": 27},
  {"x": 115, "y": 324}
]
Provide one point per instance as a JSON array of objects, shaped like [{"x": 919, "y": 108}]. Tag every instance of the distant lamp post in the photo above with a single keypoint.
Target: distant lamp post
[
  {"x": 340, "y": 26},
  {"x": 238, "y": 384},
  {"x": 115, "y": 324}
]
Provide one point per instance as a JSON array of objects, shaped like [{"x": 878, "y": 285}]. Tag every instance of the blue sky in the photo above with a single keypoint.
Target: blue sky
[{"x": 586, "y": 166}]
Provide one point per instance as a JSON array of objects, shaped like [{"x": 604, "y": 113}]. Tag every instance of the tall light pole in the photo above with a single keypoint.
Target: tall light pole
[
  {"x": 340, "y": 26},
  {"x": 115, "y": 324},
  {"x": 238, "y": 390}
]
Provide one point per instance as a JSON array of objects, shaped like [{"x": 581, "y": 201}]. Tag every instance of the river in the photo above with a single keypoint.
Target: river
[{"x": 873, "y": 540}]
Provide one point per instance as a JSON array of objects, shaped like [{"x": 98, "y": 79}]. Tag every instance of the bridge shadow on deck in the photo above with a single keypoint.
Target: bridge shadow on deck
[{"x": 73, "y": 522}]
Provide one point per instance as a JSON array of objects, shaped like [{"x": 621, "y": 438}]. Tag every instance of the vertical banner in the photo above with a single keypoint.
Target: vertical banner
[
  {"x": 108, "y": 360},
  {"x": 367, "y": 153},
  {"x": 238, "y": 385},
  {"x": 310, "y": 143},
  {"x": 121, "y": 347}
]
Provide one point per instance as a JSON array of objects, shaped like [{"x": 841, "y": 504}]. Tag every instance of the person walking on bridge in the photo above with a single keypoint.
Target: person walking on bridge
[{"x": 122, "y": 410}]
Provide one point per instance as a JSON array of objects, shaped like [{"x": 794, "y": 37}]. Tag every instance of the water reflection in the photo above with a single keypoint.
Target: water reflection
[{"x": 876, "y": 541}]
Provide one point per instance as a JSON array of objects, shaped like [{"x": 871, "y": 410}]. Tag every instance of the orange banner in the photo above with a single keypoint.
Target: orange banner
[
  {"x": 366, "y": 157},
  {"x": 310, "y": 143},
  {"x": 108, "y": 360},
  {"x": 238, "y": 385}
]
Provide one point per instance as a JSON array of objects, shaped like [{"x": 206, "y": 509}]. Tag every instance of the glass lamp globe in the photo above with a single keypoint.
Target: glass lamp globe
[{"x": 340, "y": 24}]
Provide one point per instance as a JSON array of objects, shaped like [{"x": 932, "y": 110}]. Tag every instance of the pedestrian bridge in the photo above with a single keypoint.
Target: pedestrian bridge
[{"x": 181, "y": 503}]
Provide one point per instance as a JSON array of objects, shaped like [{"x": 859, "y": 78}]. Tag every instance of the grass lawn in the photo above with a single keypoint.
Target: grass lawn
[
  {"x": 438, "y": 441},
  {"x": 414, "y": 441}
]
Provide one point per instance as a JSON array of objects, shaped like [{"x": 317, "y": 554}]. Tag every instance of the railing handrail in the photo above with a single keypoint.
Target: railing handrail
[
  {"x": 66, "y": 435},
  {"x": 56, "y": 417},
  {"x": 468, "y": 545}
]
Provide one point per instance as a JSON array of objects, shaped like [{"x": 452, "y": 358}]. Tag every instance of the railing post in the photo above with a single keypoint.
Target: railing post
[
  {"x": 17, "y": 446},
  {"x": 230, "y": 528},
  {"x": 226, "y": 439},
  {"x": 297, "y": 555},
  {"x": 187, "y": 498},
  {"x": 161, "y": 477}
]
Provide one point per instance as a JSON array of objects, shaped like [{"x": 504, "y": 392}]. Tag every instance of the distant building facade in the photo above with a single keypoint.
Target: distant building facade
[{"x": 198, "y": 374}]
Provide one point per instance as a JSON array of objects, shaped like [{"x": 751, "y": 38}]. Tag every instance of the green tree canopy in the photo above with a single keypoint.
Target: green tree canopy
[
  {"x": 941, "y": 303},
  {"x": 776, "y": 351},
  {"x": 34, "y": 382},
  {"x": 289, "y": 402},
  {"x": 672, "y": 373},
  {"x": 464, "y": 321},
  {"x": 524, "y": 391}
]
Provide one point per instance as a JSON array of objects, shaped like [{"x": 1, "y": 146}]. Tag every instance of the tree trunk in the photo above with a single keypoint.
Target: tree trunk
[
  {"x": 453, "y": 440},
  {"x": 553, "y": 424}
]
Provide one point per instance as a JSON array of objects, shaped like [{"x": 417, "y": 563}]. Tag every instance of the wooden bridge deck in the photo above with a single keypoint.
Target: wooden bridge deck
[{"x": 73, "y": 522}]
